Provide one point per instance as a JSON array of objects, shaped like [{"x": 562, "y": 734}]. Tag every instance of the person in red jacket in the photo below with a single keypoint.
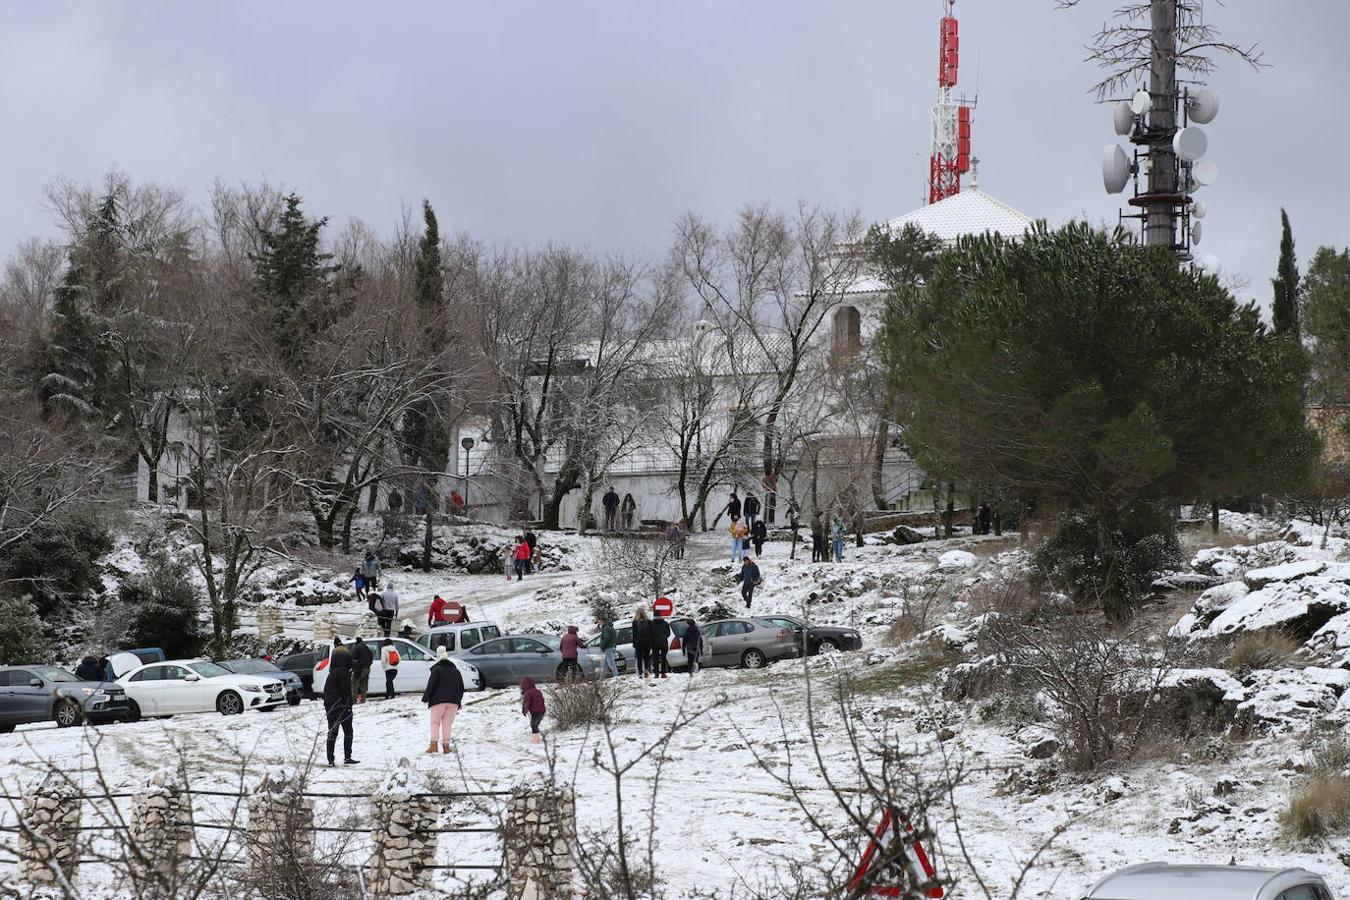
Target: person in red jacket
[
  {"x": 522, "y": 558},
  {"x": 532, "y": 705},
  {"x": 436, "y": 614},
  {"x": 571, "y": 649}
]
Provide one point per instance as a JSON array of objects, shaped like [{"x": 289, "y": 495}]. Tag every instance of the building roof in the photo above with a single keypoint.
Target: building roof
[{"x": 970, "y": 212}]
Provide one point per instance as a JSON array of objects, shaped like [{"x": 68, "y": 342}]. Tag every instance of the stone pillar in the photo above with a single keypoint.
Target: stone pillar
[
  {"x": 161, "y": 829},
  {"x": 324, "y": 629},
  {"x": 280, "y": 825},
  {"x": 50, "y": 820},
  {"x": 403, "y": 835},
  {"x": 270, "y": 623},
  {"x": 540, "y": 841}
]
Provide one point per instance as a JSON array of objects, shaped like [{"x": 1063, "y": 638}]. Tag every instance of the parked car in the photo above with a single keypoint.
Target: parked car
[
  {"x": 124, "y": 661},
  {"x": 504, "y": 661},
  {"x": 675, "y": 652},
  {"x": 295, "y": 688},
  {"x": 50, "y": 693},
  {"x": 197, "y": 685},
  {"x": 819, "y": 638},
  {"x": 751, "y": 643},
  {"x": 459, "y": 636},
  {"x": 414, "y": 667},
  {"x": 1161, "y": 881},
  {"x": 301, "y": 665}
]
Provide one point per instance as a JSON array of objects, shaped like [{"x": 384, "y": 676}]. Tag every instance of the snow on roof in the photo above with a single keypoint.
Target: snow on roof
[{"x": 970, "y": 212}]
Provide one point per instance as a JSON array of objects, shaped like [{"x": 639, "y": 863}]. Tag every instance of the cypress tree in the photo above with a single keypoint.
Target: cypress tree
[{"x": 1284, "y": 310}]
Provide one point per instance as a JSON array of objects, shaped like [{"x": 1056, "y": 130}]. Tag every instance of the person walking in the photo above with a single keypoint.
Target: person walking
[
  {"x": 629, "y": 511},
  {"x": 509, "y": 558},
  {"x": 370, "y": 571},
  {"x": 986, "y": 518},
  {"x": 642, "y": 642},
  {"x": 385, "y": 605},
  {"x": 749, "y": 578},
  {"x": 570, "y": 649},
  {"x": 533, "y": 540},
  {"x": 611, "y": 504},
  {"x": 660, "y": 646},
  {"x": 532, "y": 705},
  {"x": 389, "y": 660},
  {"x": 675, "y": 539},
  {"x": 522, "y": 557},
  {"x": 337, "y": 703},
  {"x": 609, "y": 639},
  {"x": 733, "y": 507},
  {"x": 739, "y": 534},
  {"x": 692, "y": 641},
  {"x": 837, "y": 538},
  {"x": 443, "y": 696},
  {"x": 750, "y": 508},
  {"x": 359, "y": 583},
  {"x": 817, "y": 538},
  {"x": 759, "y": 533},
  {"x": 362, "y": 659}
]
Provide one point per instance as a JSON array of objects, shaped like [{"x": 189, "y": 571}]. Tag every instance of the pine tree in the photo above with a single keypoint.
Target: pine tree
[
  {"x": 292, "y": 279},
  {"x": 1285, "y": 311}
]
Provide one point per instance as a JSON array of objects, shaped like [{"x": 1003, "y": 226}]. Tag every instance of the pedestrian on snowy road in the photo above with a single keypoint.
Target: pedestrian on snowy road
[
  {"x": 359, "y": 583},
  {"x": 817, "y": 538},
  {"x": 739, "y": 532},
  {"x": 570, "y": 649},
  {"x": 522, "y": 557},
  {"x": 629, "y": 511},
  {"x": 675, "y": 539},
  {"x": 533, "y": 541},
  {"x": 389, "y": 660},
  {"x": 611, "y": 504},
  {"x": 385, "y": 605},
  {"x": 337, "y": 702},
  {"x": 443, "y": 697},
  {"x": 642, "y": 642},
  {"x": 749, "y": 578},
  {"x": 370, "y": 571},
  {"x": 362, "y": 659},
  {"x": 692, "y": 641},
  {"x": 660, "y": 646},
  {"x": 759, "y": 533},
  {"x": 609, "y": 639},
  {"x": 733, "y": 507},
  {"x": 532, "y": 705},
  {"x": 837, "y": 534},
  {"x": 751, "y": 508}
]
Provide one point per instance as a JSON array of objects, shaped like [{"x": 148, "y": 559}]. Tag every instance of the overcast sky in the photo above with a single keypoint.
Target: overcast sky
[{"x": 597, "y": 122}]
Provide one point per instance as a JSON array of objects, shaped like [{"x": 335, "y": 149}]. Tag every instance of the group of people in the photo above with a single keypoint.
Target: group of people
[
  {"x": 520, "y": 555},
  {"x": 619, "y": 513},
  {"x": 382, "y": 601},
  {"x": 651, "y": 643},
  {"x": 835, "y": 534}
]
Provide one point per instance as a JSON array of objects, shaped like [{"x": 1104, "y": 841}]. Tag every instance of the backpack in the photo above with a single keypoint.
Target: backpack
[{"x": 393, "y": 657}]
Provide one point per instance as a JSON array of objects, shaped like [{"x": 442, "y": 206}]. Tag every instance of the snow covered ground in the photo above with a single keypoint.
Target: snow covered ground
[{"x": 1215, "y": 801}]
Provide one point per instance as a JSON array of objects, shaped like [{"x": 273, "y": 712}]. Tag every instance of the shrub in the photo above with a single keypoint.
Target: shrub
[
  {"x": 603, "y": 607},
  {"x": 164, "y": 608},
  {"x": 58, "y": 560},
  {"x": 584, "y": 702},
  {"x": 1261, "y": 650},
  {"x": 1319, "y": 808},
  {"x": 1144, "y": 542},
  {"x": 21, "y": 637}
]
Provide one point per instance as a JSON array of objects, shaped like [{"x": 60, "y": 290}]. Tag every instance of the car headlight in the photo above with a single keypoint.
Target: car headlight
[
  {"x": 88, "y": 692},
  {"x": 252, "y": 688}
]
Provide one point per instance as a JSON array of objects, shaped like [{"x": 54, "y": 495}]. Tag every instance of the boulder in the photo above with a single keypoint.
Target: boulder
[
  {"x": 973, "y": 680},
  {"x": 1259, "y": 578},
  {"x": 957, "y": 560}
]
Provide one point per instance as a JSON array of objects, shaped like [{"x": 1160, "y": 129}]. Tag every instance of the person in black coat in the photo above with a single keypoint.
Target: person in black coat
[
  {"x": 642, "y": 642},
  {"x": 362, "y": 659},
  {"x": 693, "y": 644},
  {"x": 759, "y": 533},
  {"x": 749, "y": 578},
  {"x": 733, "y": 507},
  {"x": 660, "y": 644},
  {"x": 337, "y": 701},
  {"x": 443, "y": 697},
  {"x": 751, "y": 508},
  {"x": 89, "y": 669}
]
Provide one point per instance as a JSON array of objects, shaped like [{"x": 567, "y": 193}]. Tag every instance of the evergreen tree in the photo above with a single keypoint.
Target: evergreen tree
[
  {"x": 425, "y": 431},
  {"x": 75, "y": 361},
  {"x": 292, "y": 278},
  {"x": 1327, "y": 319},
  {"x": 1284, "y": 310}
]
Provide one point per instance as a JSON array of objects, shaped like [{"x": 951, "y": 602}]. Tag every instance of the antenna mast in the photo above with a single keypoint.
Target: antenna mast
[{"x": 950, "y": 156}]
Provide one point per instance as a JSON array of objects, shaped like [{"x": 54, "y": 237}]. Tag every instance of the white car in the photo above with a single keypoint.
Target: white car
[
  {"x": 1160, "y": 881},
  {"x": 197, "y": 685},
  {"x": 414, "y": 668}
]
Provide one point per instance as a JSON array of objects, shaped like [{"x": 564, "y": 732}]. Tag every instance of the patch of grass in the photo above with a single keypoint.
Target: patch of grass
[
  {"x": 1262, "y": 650},
  {"x": 1319, "y": 808},
  {"x": 891, "y": 678}
]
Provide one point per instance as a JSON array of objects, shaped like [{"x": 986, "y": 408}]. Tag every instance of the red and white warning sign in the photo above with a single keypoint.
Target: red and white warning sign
[
  {"x": 454, "y": 611},
  {"x": 889, "y": 875},
  {"x": 664, "y": 607}
]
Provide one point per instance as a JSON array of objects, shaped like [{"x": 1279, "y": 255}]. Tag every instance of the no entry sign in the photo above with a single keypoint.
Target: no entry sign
[
  {"x": 454, "y": 611},
  {"x": 663, "y": 607}
]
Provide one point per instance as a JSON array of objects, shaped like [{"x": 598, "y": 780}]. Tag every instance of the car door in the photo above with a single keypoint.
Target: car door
[
  {"x": 147, "y": 688},
  {"x": 732, "y": 639},
  {"x": 414, "y": 667},
  {"x": 531, "y": 658},
  {"x": 30, "y": 704},
  {"x": 470, "y": 638},
  {"x": 493, "y": 660},
  {"x": 179, "y": 695}
]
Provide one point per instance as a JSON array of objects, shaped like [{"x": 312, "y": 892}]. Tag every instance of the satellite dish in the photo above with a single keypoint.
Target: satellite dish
[
  {"x": 1141, "y": 102},
  {"x": 1115, "y": 169},
  {"x": 1210, "y": 263},
  {"x": 1196, "y": 231},
  {"x": 1123, "y": 118},
  {"x": 1199, "y": 209},
  {"x": 1202, "y": 106},
  {"x": 1190, "y": 143},
  {"x": 1205, "y": 172}
]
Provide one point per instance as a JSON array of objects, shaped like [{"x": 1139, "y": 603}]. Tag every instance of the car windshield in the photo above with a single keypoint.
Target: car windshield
[
  {"x": 54, "y": 673},
  {"x": 552, "y": 641},
  {"x": 208, "y": 669},
  {"x": 251, "y": 666}
]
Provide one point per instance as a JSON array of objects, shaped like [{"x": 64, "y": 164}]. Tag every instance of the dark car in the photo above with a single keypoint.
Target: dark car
[
  {"x": 50, "y": 693},
  {"x": 819, "y": 638},
  {"x": 295, "y": 688},
  {"x": 302, "y": 666}
]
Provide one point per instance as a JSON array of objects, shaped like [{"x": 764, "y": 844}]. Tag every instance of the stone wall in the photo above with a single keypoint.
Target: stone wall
[
  {"x": 50, "y": 820},
  {"x": 280, "y": 826},
  {"x": 540, "y": 844},
  {"x": 161, "y": 830},
  {"x": 270, "y": 622},
  {"x": 403, "y": 834}
]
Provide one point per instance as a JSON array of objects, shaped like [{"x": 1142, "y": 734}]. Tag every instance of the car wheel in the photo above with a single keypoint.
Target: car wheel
[
  {"x": 754, "y": 659},
  {"x": 133, "y": 712},
  {"x": 229, "y": 704},
  {"x": 67, "y": 713},
  {"x": 827, "y": 645}
]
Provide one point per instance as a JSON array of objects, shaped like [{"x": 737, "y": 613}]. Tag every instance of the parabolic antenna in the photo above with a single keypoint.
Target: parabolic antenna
[
  {"x": 1196, "y": 231},
  {"x": 1205, "y": 172},
  {"x": 1199, "y": 209},
  {"x": 1123, "y": 118},
  {"x": 1115, "y": 169},
  {"x": 1141, "y": 102},
  {"x": 1210, "y": 263},
  {"x": 1202, "y": 106},
  {"x": 1190, "y": 143}
]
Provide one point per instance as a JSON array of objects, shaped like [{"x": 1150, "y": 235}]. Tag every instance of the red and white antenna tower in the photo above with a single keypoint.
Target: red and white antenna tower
[{"x": 950, "y": 158}]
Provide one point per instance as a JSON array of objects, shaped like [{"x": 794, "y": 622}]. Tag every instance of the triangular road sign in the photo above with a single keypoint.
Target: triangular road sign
[{"x": 894, "y": 872}]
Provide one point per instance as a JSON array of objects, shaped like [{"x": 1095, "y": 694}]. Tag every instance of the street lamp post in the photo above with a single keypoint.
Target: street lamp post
[{"x": 467, "y": 444}]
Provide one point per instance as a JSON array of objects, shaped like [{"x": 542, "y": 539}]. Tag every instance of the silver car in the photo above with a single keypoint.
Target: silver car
[
  {"x": 1160, "y": 881},
  {"x": 503, "y": 661},
  {"x": 752, "y": 643}
]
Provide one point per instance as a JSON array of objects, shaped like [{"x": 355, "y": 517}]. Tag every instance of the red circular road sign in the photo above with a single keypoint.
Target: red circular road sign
[
  {"x": 454, "y": 611},
  {"x": 663, "y": 607}
]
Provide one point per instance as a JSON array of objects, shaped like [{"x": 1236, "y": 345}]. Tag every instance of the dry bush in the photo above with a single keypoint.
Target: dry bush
[
  {"x": 1262, "y": 650},
  {"x": 920, "y": 600},
  {"x": 1319, "y": 808},
  {"x": 584, "y": 702}
]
